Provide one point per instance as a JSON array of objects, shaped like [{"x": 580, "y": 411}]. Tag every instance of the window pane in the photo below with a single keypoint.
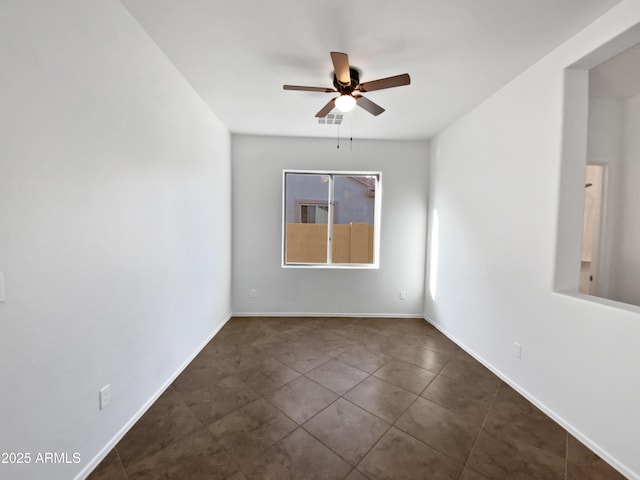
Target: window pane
[
  {"x": 353, "y": 219},
  {"x": 306, "y": 237},
  {"x": 330, "y": 218},
  {"x": 322, "y": 214}
]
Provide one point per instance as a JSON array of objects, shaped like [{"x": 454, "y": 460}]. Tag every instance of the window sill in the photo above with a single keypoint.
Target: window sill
[{"x": 337, "y": 266}]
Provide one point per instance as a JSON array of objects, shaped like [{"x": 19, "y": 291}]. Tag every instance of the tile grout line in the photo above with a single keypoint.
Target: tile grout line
[
  {"x": 224, "y": 449},
  {"x": 364, "y": 409},
  {"x": 421, "y": 441},
  {"x": 260, "y": 397},
  {"x": 566, "y": 456},
  {"x": 495, "y": 395},
  {"x": 391, "y": 425},
  {"x": 173, "y": 441},
  {"x": 267, "y": 448},
  {"x": 207, "y": 424},
  {"x": 353, "y": 467},
  {"x": 300, "y": 425},
  {"x": 126, "y": 474}
]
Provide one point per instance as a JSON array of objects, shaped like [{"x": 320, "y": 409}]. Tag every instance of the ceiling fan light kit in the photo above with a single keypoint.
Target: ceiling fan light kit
[
  {"x": 345, "y": 103},
  {"x": 346, "y": 81}
]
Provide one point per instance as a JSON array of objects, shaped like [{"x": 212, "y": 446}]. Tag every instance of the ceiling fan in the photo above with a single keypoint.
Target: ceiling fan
[{"x": 346, "y": 81}]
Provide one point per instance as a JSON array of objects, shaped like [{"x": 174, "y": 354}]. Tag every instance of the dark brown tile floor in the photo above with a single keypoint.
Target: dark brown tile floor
[{"x": 344, "y": 398}]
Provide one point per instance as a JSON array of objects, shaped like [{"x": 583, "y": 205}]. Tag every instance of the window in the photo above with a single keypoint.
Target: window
[
  {"x": 330, "y": 219},
  {"x": 314, "y": 213}
]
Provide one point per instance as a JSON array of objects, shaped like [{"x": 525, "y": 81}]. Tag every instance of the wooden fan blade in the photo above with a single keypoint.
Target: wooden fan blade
[
  {"x": 326, "y": 109},
  {"x": 368, "y": 105},
  {"x": 396, "y": 81},
  {"x": 309, "y": 89},
  {"x": 341, "y": 66}
]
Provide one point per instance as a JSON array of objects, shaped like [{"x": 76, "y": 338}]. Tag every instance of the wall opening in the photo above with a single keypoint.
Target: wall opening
[{"x": 598, "y": 250}]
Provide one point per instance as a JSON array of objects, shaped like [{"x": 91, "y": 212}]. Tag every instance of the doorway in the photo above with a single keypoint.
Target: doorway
[{"x": 591, "y": 230}]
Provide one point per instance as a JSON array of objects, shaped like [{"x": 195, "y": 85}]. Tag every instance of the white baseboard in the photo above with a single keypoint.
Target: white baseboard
[
  {"x": 326, "y": 314},
  {"x": 95, "y": 461},
  {"x": 548, "y": 411}
]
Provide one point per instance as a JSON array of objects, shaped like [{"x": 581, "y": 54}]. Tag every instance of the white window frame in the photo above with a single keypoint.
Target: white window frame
[{"x": 376, "y": 220}]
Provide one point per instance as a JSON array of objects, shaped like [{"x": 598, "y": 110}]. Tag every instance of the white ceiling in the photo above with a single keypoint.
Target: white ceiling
[{"x": 238, "y": 54}]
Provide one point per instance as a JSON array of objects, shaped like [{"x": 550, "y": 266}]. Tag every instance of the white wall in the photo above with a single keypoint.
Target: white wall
[
  {"x": 613, "y": 142},
  {"x": 494, "y": 181},
  {"x": 257, "y": 166},
  {"x": 626, "y": 283},
  {"x": 114, "y": 226},
  {"x": 605, "y": 147}
]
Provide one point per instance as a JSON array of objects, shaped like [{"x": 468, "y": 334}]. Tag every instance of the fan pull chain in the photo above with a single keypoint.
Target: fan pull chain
[
  {"x": 338, "y": 145},
  {"x": 351, "y": 136}
]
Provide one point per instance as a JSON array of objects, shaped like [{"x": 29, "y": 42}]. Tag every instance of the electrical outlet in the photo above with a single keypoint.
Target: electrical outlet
[
  {"x": 517, "y": 350},
  {"x": 105, "y": 396},
  {"x": 403, "y": 295},
  {"x": 253, "y": 293}
]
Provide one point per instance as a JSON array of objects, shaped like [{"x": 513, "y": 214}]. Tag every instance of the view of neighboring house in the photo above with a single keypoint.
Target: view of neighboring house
[{"x": 307, "y": 198}]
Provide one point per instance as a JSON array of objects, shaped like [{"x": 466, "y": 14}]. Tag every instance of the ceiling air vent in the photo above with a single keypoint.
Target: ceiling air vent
[{"x": 331, "y": 119}]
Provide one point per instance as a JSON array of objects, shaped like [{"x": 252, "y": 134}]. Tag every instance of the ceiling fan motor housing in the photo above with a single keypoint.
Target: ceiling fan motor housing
[{"x": 348, "y": 88}]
